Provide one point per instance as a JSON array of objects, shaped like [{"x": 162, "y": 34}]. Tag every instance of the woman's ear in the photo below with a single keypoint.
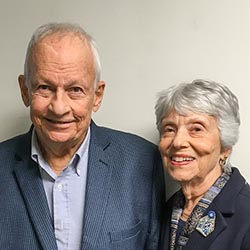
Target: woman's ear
[
  {"x": 24, "y": 90},
  {"x": 224, "y": 155},
  {"x": 227, "y": 152}
]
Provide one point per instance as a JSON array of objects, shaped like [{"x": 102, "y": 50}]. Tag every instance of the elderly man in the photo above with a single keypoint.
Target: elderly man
[{"x": 69, "y": 184}]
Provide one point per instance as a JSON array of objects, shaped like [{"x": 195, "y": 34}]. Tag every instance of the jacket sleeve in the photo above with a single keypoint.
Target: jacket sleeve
[
  {"x": 246, "y": 241},
  {"x": 158, "y": 201}
]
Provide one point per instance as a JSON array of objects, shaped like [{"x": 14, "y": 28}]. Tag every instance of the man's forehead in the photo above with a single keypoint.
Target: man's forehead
[
  {"x": 63, "y": 40},
  {"x": 63, "y": 48},
  {"x": 61, "y": 53}
]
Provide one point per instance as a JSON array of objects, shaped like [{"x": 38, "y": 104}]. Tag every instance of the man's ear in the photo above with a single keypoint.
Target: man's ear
[
  {"x": 99, "y": 92},
  {"x": 24, "y": 90}
]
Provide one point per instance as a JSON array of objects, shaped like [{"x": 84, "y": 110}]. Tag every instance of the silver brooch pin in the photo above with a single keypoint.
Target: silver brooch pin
[{"x": 206, "y": 224}]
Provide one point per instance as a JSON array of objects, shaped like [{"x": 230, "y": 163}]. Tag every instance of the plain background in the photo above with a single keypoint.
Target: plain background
[{"x": 145, "y": 46}]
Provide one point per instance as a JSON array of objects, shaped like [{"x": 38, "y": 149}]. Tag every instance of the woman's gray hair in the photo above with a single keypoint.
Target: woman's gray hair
[
  {"x": 207, "y": 97},
  {"x": 61, "y": 28}
]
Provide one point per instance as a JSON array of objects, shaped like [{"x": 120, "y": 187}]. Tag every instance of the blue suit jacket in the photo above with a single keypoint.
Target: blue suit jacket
[
  {"x": 125, "y": 191},
  {"x": 232, "y": 225}
]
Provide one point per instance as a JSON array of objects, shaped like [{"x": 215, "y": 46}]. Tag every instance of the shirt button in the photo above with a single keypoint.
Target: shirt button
[
  {"x": 59, "y": 224},
  {"x": 59, "y": 187}
]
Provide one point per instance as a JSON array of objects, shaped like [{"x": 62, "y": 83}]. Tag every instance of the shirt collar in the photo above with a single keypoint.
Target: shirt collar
[{"x": 81, "y": 153}]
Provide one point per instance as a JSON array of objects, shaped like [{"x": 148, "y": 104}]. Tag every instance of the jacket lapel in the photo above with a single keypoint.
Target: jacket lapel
[
  {"x": 165, "y": 232},
  {"x": 224, "y": 204},
  {"x": 199, "y": 242},
  {"x": 98, "y": 186},
  {"x": 30, "y": 184}
]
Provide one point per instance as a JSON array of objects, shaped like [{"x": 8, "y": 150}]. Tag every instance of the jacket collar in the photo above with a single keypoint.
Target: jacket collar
[
  {"x": 98, "y": 185},
  {"x": 230, "y": 192},
  {"x": 222, "y": 208},
  {"x": 97, "y": 189},
  {"x": 30, "y": 184}
]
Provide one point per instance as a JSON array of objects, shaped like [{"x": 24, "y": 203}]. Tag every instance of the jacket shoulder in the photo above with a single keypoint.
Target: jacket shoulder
[
  {"x": 245, "y": 192},
  {"x": 14, "y": 142},
  {"x": 14, "y": 148},
  {"x": 244, "y": 187},
  {"x": 126, "y": 138}
]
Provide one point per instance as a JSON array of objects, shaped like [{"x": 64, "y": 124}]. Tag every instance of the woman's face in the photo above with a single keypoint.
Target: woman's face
[{"x": 190, "y": 147}]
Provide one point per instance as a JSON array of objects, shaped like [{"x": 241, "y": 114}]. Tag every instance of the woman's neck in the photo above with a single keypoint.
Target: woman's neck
[
  {"x": 194, "y": 190},
  {"x": 189, "y": 207}
]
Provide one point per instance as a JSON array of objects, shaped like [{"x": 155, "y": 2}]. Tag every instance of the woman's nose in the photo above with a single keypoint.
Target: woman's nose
[{"x": 180, "y": 139}]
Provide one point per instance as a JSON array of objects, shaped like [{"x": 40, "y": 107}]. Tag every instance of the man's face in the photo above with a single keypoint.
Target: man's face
[{"x": 61, "y": 93}]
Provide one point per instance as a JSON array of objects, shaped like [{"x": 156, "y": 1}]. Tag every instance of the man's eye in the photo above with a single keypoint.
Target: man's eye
[
  {"x": 43, "y": 87},
  {"x": 76, "y": 90},
  {"x": 42, "y": 90}
]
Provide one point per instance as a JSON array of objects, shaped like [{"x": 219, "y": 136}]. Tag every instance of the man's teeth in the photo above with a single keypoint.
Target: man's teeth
[
  {"x": 182, "y": 159},
  {"x": 58, "y": 122}
]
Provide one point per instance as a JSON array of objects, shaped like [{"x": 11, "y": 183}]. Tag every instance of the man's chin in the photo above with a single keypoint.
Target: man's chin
[{"x": 58, "y": 137}]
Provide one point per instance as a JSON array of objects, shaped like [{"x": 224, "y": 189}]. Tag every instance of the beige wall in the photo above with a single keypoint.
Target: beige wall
[{"x": 145, "y": 46}]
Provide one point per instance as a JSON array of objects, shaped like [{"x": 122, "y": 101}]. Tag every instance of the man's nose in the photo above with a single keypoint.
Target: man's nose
[{"x": 59, "y": 104}]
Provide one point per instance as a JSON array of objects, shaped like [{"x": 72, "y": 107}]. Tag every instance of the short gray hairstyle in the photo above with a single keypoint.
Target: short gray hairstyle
[
  {"x": 61, "y": 28},
  {"x": 207, "y": 97}
]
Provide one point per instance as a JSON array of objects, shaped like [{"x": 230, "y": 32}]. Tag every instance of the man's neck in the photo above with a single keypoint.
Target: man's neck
[{"x": 58, "y": 155}]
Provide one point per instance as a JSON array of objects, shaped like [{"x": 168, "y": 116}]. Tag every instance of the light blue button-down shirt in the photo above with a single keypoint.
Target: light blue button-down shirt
[{"x": 65, "y": 194}]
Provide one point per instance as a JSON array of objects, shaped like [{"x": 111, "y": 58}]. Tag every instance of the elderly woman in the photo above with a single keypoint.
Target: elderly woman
[{"x": 199, "y": 124}]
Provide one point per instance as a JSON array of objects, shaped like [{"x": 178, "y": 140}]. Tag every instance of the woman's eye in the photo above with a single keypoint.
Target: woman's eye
[
  {"x": 197, "y": 129},
  {"x": 168, "y": 131}
]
